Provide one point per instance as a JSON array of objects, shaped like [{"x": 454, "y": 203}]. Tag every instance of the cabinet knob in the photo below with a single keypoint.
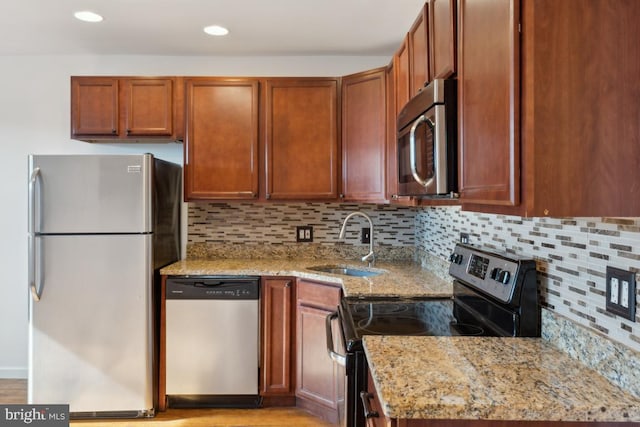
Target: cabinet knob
[
  {"x": 267, "y": 196},
  {"x": 341, "y": 196},
  {"x": 504, "y": 277},
  {"x": 113, "y": 131}
]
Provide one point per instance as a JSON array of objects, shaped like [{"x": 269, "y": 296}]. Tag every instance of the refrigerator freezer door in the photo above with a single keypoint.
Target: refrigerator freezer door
[
  {"x": 92, "y": 194},
  {"x": 90, "y": 335}
]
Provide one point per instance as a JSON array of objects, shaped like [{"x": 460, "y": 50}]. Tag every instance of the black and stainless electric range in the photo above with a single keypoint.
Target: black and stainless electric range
[{"x": 494, "y": 294}]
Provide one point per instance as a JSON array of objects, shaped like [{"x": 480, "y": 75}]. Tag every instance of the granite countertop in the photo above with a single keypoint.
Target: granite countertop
[
  {"x": 397, "y": 280},
  {"x": 490, "y": 378}
]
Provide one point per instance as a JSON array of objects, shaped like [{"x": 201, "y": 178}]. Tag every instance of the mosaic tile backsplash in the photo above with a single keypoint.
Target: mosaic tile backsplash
[
  {"x": 226, "y": 229},
  {"x": 571, "y": 256}
]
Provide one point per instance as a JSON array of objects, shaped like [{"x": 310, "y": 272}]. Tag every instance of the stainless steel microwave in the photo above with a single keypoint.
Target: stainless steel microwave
[{"x": 427, "y": 142}]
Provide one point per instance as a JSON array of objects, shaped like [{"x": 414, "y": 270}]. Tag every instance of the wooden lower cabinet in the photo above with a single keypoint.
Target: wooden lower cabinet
[
  {"x": 372, "y": 406},
  {"x": 378, "y": 419},
  {"x": 277, "y": 361},
  {"x": 319, "y": 381}
]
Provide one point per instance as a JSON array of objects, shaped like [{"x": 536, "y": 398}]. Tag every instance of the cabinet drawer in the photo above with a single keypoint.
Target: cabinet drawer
[{"x": 318, "y": 294}]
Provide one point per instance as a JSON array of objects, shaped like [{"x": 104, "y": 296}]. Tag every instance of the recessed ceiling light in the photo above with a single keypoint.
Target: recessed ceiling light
[
  {"x": 216, "y": 30},
  {"x": 87, "y": 16}
]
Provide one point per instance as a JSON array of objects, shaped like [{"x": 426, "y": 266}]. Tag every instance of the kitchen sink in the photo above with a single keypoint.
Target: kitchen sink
[{"x": 345, "y": 271}]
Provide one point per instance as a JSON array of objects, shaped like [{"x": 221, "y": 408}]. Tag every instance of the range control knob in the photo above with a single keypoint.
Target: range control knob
[
  {"x": 456, "y": 258},
  {"x": 495, "y": 273},
  {"x": 504, "y": 277}
]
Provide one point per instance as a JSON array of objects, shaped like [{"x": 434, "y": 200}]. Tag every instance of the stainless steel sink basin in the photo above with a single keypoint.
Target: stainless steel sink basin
[{"x": 345, "y": 271}]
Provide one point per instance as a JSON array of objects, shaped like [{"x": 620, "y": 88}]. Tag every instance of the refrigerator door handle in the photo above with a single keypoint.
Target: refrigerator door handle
[{"x": 36, "y": 291}]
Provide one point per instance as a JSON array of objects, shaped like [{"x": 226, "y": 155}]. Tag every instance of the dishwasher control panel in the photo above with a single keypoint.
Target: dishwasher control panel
[{"x": 213, "y": 287}]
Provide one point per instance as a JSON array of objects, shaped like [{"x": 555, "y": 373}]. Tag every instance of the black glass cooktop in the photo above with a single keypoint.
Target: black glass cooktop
[{"x": 402, "y": 317}]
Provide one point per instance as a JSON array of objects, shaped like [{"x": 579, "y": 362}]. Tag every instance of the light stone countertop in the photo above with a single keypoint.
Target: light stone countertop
[
  {"x": 398, "y": 280},
  {"x": 490, "y": 378}
]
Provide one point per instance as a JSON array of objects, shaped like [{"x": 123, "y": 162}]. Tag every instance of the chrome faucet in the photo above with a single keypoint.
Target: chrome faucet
[{"x": 370, "y": 257}]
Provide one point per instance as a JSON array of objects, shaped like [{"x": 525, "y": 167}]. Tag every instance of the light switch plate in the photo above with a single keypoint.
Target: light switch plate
[{"x": 621, "y": 293}]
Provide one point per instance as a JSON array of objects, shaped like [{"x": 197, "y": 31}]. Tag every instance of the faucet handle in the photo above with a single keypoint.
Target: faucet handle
[{"x": 370, "y": 257}]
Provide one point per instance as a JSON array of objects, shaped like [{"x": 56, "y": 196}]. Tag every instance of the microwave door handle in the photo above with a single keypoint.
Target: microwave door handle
[
  {"x": 340, "y": 359},
  {"x": 412, "y": 152},
  {"x": 36, "y": 291}
]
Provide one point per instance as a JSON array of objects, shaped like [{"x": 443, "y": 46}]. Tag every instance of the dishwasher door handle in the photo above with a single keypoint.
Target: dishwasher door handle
[{"x": 340, "y": 359}]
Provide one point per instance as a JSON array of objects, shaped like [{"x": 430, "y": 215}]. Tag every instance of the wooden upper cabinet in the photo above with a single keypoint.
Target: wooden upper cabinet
[
  {"x": 401, "y": 75},
  {"x": 442, "y": 38},
  {"x": 392, "y": 143},
  {"x": 559, "y": 136},
  {"x": 488, "y": 102},
  {"x": 301, "y": 138},
  {"x": 126, "y": 108},
  {"x": 221, "y": 144},
  {"x": 392, "y": 155},
  {"x": 418, "y": 37},
  {"x": 94, "y": 107},
  {"x": 364, "y": 136},
  {"x": 148, "y": 106}
]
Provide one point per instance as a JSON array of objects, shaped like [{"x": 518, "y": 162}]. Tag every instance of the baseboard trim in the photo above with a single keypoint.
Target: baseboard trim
[{"x": 14, "y": 373}]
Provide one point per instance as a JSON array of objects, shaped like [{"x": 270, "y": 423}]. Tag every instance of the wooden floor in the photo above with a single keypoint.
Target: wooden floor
[{"x": 15, "y": 392}]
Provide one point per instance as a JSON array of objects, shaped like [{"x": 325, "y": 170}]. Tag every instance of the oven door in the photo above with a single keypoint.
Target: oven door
[
  {"x": 354, "y": 369},
  {"x": 422, "y": 155}
]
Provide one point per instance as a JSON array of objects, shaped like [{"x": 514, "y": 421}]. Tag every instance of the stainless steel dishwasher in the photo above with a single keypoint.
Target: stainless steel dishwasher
[{"x": 212, "y": 336}]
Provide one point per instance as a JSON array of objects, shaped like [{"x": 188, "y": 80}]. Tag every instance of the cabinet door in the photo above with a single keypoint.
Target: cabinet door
[
  {"x": 442, "y": 19},
  {"x": 392, "y": 155},
  {"x": 277, "y": 337},
  {"x": 149, "y": 106},
  {"x": 363, "y": 136},
  {"x": 373, "y": 413},
  {"x": 401, "y": 75},
  {"x": 489, "y": 142},
  {"x": 419, "y": 52},
  {"x": 301, "y": 138},
  {"x": 392, "y": 142},
  {"x": 319, "y": 381},
  {"x": 94, "y": 107},
  {"x": 221, "y": 143}
]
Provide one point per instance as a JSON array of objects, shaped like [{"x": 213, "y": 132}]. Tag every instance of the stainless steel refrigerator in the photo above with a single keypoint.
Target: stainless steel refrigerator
[{"x": 100, "y": 226}]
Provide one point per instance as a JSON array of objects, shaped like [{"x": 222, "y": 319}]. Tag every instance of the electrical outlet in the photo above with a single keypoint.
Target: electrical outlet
[
  {"x": 621, "y": 293},
  {"x": 365, "y": 237},
  {"x": 464, "y": 237},
  {"x": 304, "y": 233}
]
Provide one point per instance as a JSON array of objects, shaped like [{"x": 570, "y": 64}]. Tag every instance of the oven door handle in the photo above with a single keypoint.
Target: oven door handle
[
  {"x": 340, "y": 359},
  {"x": 412, "y": 152}
]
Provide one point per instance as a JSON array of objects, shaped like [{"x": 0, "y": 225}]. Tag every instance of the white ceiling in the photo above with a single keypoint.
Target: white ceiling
[{"x": 174, "y": 27}]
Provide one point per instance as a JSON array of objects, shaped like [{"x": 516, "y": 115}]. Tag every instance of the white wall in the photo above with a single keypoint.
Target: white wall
[{"x": 34, "y": 118}]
